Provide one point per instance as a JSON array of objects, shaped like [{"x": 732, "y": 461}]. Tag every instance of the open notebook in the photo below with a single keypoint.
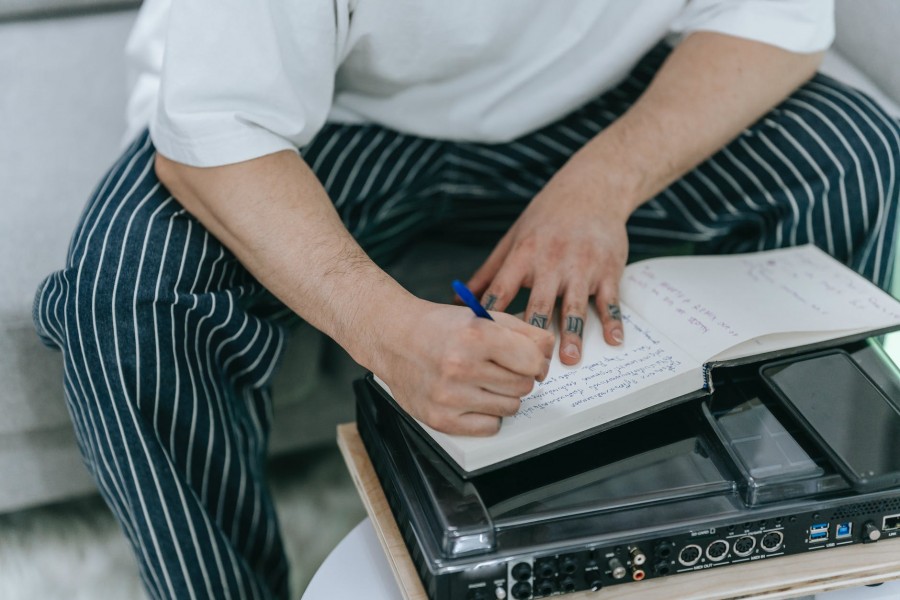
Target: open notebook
[{"x": 682, "y": 316}]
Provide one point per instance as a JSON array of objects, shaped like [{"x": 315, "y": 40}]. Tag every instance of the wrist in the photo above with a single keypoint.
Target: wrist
[
  {"x": 603, "y": 178},
  {"x": 384, "y": 328}
]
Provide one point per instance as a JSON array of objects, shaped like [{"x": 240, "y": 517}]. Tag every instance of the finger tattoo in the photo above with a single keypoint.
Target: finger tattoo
[
  {"x": 575, "y": 325},
  {"x": 539, "y": 320},
  {"x": 490, "y": 301},
  {"x": 614, "y": 312}
]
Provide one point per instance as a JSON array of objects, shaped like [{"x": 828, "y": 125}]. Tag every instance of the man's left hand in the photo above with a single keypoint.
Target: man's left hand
[{"x": 570, "y": 243}]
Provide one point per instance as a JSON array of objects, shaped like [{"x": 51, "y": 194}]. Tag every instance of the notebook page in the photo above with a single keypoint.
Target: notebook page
[{"x": 712, "y": 303}]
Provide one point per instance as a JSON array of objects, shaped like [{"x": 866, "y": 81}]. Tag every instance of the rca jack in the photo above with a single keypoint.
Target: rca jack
[{"x": 638, "y": 558}]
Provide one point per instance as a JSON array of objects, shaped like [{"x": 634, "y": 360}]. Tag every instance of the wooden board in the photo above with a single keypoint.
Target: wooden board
[{"x": 772, "y": 579}]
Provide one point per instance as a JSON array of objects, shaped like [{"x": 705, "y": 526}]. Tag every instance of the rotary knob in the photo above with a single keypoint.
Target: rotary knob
[{"x": 871, "y": 533}]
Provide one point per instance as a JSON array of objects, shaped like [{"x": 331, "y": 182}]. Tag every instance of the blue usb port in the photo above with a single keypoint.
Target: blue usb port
[
  {"x": 844, "y": 530},
  {"x": 818, "y": 532}
]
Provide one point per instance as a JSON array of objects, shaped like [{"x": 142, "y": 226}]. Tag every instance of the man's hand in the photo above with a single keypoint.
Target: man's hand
[
  {"x": 568, "y": 243},
  {"x": 455, "y": 372},
  {"x": 571, "y": 241},
  {"x": 460, "y": 374}
]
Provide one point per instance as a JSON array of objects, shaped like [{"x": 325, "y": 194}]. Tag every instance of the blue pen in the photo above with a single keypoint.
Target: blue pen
[{"x": 469, "y": 298}]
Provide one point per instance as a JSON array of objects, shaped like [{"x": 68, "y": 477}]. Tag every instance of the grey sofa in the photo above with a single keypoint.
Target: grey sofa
[{"x": 62, "y": 97}]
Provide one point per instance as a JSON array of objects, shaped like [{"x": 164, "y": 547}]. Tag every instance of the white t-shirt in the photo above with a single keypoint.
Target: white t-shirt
[{"x": 222, "y": 81}]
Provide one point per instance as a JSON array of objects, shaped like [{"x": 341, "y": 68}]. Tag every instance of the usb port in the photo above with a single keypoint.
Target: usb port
[
  {"x": 844, "y": 530},
  {"x": 890, "y": 523},
  {"x": 818, "y": 532}
]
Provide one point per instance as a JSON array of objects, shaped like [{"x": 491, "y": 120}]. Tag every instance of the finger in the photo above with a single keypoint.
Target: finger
[
  {"x": 494, "y": 405},
  {"x": 571, "y": 326},
  {"x": 503, "y": 382},
  {"x": 476, "y": 413},
  {"x": 541, "y": 302},
  {"x": 477, "y": 424},
  {"x": 505, "y": 285},
  {"x": 610, "y": 315},
  {"x": 545, "y": 340},
  {"x": 479, "y": 282},
  {"x": 517, "y": 353}
]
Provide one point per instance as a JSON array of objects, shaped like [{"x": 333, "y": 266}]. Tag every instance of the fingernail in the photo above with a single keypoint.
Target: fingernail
[
  {"x": 572, "y": 351},
  {"x": 617, "y": 336}
]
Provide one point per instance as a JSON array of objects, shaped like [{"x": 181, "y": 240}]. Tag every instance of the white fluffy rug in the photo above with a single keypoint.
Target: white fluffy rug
[{"x": 75, "y": 551}]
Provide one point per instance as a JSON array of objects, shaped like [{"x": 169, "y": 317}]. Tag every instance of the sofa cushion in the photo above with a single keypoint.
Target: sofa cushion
[
  {"x": 867, "y": 37},
  {"x": 837, "y": 66},
  {"x": 41, "y": 467},
  {"x": 61, "y": 114},
  {"x": 32, "y": 380}
]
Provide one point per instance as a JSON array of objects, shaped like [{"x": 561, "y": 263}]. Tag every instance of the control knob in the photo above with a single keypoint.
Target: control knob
[{"x": 871, "y": 533}]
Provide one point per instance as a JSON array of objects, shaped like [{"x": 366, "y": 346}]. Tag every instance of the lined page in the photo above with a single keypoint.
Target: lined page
[
  {"x": 712, "y": 303},
  {"x": 609, "y": 383}
]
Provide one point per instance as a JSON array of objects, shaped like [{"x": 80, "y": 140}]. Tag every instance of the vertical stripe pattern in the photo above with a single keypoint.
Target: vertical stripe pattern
[{"x": 170, "y": 345}]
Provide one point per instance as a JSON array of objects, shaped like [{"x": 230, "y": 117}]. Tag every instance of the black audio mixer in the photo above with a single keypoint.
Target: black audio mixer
[{"x": 761, "y": 468}]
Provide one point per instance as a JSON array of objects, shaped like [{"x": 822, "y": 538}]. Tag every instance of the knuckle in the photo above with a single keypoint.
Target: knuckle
[
  {"x": 514, "y": 406},
  {"x": 442, "y": 421},
  {"x": 473, "y": 334},
  {"x": 539, "y": 304},
  {"x": 526, "y": 244},
  {"x": 488, "y": 427},
  {"x": 453, "y": 367},
  {"x": 575, "y": 304},
  {"x": 441, "y": 397}
]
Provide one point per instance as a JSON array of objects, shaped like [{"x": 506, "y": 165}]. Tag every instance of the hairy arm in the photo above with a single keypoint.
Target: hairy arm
[
  {"x": 709, "y": 89},
  {"x": 447, "y": 368},
  {"x": 571, "y": 241}
]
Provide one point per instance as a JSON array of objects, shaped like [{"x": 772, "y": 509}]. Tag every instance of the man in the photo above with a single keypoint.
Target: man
[{"x": 566, "y": 125}]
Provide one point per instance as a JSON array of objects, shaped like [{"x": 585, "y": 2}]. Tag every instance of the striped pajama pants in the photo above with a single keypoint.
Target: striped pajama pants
[{"x": 170, "y": 345}]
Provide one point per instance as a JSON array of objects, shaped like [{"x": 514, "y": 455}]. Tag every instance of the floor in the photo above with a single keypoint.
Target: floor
[{"x": 74, "y": 551}]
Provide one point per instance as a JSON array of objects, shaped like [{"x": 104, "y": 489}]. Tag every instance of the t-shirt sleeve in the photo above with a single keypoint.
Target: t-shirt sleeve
[
  {"x": 802, "y": 26},
  {"x": 244, "y": 78}
]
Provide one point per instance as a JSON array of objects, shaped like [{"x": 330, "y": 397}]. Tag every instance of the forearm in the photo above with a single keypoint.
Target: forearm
[
  {"x": 274, "y": 215},
  {"x": 453, "y": 371},
  {"x": 710, "y": 88}
]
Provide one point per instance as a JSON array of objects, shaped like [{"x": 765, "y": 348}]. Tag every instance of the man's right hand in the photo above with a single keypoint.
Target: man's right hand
[
  {"x": 461, "y": 374},
  {"x": 446, "y": 367}
]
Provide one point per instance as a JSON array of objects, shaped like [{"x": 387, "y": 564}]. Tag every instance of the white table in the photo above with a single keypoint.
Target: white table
[{"x": 358, "y": 568}]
